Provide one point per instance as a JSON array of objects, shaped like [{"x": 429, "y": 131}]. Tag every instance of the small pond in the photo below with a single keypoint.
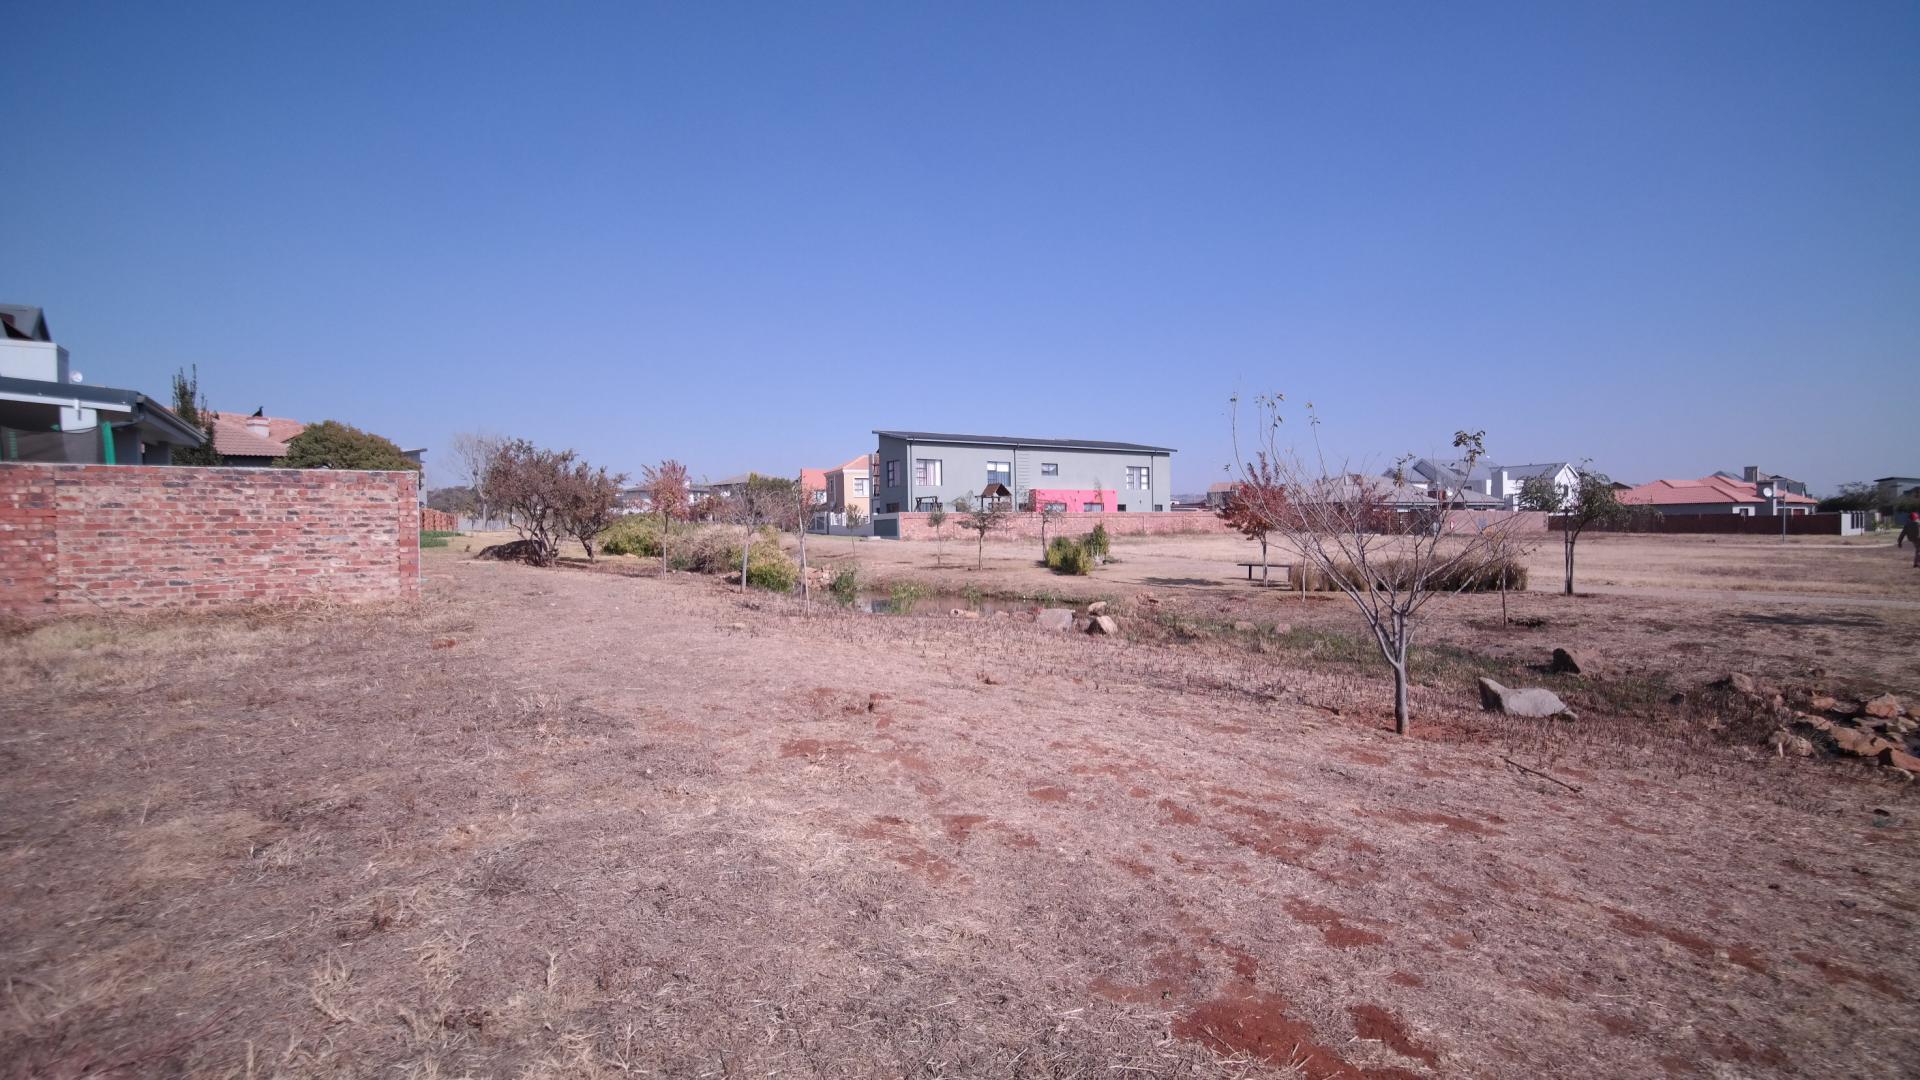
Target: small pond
[{"x": 880, "y": 603}]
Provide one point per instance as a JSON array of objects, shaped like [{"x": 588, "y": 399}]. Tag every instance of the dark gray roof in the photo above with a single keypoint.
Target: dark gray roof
[
  {"x": 1010, "y": 440},
  {"x": 179, "y": 432},
  {"x": 27, "y": 321}
]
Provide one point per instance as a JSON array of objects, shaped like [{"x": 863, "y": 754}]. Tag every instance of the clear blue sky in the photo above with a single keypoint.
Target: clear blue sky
[{"x": 1671, "y": 237}]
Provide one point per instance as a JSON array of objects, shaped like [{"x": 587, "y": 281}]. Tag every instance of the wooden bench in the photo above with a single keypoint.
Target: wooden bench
[{"x": 1286, "y": 574}]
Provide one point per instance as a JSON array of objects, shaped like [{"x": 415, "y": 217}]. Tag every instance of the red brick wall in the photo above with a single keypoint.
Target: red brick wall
[
  {"x": 1025, "y": 526},
  {"x": 432, "y": 520},
  {"x": 119, "y": 537}
]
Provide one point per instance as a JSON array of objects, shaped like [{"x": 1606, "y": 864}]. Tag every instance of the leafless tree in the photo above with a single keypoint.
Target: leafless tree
[
  {"x": 473, "y": 456},
  {"x": 1346, "y": 526},
  {"x": 980, "y": 517},
  {"x": 1049, "y": 515}
]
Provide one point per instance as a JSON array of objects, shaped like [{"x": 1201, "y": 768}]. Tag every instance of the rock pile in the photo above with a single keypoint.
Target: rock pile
[{"x": 1881, "y": 729}]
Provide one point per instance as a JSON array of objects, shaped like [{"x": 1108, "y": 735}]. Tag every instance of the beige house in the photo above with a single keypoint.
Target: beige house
[{"x": 850, "y": 487}]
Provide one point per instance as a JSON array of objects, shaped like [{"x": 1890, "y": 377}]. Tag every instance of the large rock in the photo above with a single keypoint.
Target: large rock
[
  {"x": 1899, "y": 759},
  {"x": 1098, "y": 607},
  {"x": 1054, "y": 618},
  {"x": 1567, "y": 662},
  {"x": 1103, "y": 624},
  {"x": 1884, "y": 707},
  {"x": 1739, "y": 682},
  {"x": 1521, "y": 701},
  {"x": 1855, "y": 741}
]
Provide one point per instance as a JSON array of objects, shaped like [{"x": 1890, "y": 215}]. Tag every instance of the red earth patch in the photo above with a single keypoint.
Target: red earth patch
[
  {"x": 1451, "y": 822},
  {"x": 1258, "y": 1025},
  {"x": 1840, "y": 973},
  {"x": 1405, "y": 978},
  {"x": 1332, "y": 925},
  {"x": 1049, "y": 794},
  {"x": 1374, "y": 1022},
  {"x": 961, "y": 826}
]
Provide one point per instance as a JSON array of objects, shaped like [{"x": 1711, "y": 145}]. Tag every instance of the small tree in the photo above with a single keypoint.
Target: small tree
[
  {"x": 1591, "y": 501},
  {"x": 190, "y": 405},
  {"x": 666, "y": 486},
  {"x": 1348, "y": 529},
  {"x": 763, "y": 500},
  {"x": 331, "y": 444},
  {"x": 980, "y": 517},
  {"x": 527, "y": 484},
  {"x": 1254, "y": 503},
  {"x": 937, "y": 521},
  {"x": 586, "y": 500},
  {"x": 1049, "y": 514},
  {"x": 460, "y": 500}
]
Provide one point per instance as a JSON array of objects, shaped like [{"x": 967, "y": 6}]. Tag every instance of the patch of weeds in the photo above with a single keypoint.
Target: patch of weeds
[
  {"x": 846, "y": 585},
  {"x": 904, "y": 595}
]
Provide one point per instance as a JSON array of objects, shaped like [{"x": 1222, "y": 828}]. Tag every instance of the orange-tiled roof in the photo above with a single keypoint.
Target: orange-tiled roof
[
  {"x": 232, "y": 436},
  {"x": 813, "y": 479},
  {"x": 856, "y": 465},
  {"x": 1707, "y": 489}
]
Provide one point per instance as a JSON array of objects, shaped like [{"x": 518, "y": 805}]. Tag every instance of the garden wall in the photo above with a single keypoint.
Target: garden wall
[
  {"x": 129, "y": 537},
  {"x": 1025, "y": 526}
]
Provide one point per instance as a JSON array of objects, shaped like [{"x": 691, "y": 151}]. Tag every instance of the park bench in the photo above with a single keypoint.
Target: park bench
[{"x": 1285, "y": 575}]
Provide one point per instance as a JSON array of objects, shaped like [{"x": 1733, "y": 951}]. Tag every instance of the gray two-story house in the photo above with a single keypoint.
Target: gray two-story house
[{"x": 919, "y": 470}]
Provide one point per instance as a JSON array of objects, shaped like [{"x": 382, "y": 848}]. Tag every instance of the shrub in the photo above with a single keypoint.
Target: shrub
[
  {"x": 770, "y": 568},
  {"x": 903, "y": 596},
  {"x": 846, "y": 585},
  {"x": 707, "y": 551},
  {"x": 1483, "y": 577},
  {"x": 1066, "y": 555},
  {"x": 635, "y": 534},
  {"x": 434, "y": 539},
  {"x": 1098, "y": 542}
]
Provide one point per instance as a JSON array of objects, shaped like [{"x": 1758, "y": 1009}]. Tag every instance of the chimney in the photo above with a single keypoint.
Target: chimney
[
  {"x": 1753, "y": 473},
  {"x": 257, "y": 425}
]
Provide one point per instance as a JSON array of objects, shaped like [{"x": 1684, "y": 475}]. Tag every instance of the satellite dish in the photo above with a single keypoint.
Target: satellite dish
[{"x": 74, "y": 376}]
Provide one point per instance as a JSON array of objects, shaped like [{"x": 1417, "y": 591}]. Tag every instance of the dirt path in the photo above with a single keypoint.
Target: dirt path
[{"x": 561, "y": 823}]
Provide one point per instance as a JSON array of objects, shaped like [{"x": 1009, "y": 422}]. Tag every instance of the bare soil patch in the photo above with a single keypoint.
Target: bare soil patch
[{"x": 557, "y": 823}]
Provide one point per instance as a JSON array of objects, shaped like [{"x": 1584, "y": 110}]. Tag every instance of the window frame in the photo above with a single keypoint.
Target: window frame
[
  {"x": 925, "y": 476},
  {"x": 1049, "y": 468}
]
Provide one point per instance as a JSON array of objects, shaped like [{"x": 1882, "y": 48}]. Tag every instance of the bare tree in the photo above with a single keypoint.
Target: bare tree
[
  {"x": 1347, "y": 527},
  {"x": 1049, "y": 514},
  {"x": 1591, "y": 501},
  {"x": 937, "y": 521},
  {"x": 473, "y": 456},
  {"x": 980, "y": 517},
  {"x": 764, "y": 500}
]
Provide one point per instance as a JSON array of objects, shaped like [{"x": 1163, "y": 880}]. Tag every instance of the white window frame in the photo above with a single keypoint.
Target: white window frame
[
  {"x": 1049, "y": 468},
  {"x": 860, "y": 487},
  {"x": 927, "y": 472},
  {"x": 1139, "y": 477},
  {"x": 893, "y": 472}
]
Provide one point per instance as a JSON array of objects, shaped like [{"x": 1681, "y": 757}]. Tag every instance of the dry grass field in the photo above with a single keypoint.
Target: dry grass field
[{"x": 565, "y": 823}]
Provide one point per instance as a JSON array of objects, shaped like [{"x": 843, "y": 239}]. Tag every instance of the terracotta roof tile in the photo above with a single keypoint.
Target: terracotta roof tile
[{"x": 233, "y": 437}]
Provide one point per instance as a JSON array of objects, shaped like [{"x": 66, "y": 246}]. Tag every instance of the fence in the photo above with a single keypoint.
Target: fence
[
  {"x": 1848, "y": 523},
  {"x": 118, "y": 537}
]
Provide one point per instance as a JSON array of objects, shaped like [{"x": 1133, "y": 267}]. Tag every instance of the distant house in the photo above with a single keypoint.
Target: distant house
[
  {"x": 252, "y": 441},
  {"x": 1220, "y": 494},
  {"x": 1718, "y": 494},
  {"x": 920, "y": 470},
  {"x": 1752, "y": 475},
  {"x": 1485, "y": 486},
  {"x": 48, "y": 414},
  {"x": 1891, "y": 489},
  {"x": 849, "y": 488}
]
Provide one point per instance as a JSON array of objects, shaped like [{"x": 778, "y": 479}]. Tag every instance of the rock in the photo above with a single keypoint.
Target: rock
[
  {"x": 1104, "y": 625},
  {"x": 1885, "y": 707},
  {"x": 511, "y": 551},
  {"x": 1897, "y": 758},
  {"x": 1245, "y": 627},
  {"x": 963, "y": 613},
  {"x": 1853, "y": 740},
  {"x": 1529, "y": 701},
  {"x": 1844, "y": 709},
  {"x": 1054, "y": 618},
  {"x": 1098, "y": 607},
  {"x": 1739, "y": 682},
  {"x": 1785, "y": 742},
  {"x": 1823, "y": 703},
  {"x": 736, "y": 626},
  {"x": 1566, "y": 662}
]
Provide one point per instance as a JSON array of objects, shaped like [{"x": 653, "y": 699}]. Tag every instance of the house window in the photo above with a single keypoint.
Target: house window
[
  {"x": 1159, "y": 507},
  {"x": 1122, "y": 508},
  {"x": 1092, "y": 507},
  {"x": 1049, "y": 468},
  {"x": 893, "y": 473},
  {"x": 1138, "y": 477},
  {"x": 1056, "y": 507},
  {"x": 922, "y": 505},
  {"x": 860, "y": 487},
  {"x": 926, "y": 472},
  {"x": 893, "y": 508},
  {"x": 1000, "y": 472}
]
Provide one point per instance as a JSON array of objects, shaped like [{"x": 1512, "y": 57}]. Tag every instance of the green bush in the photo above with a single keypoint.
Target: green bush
[
  {"x": 635, "y": 534},
  {"x": 846, "y": 585},
  {"x": 903, "y": 596},
  {"x": 770, "y": 568},
  {"x": 1480, "y": 578},
  {"x": 1098, "y": 542},
  {"x": 1066, "y": 555},
  {"x": 434, "y": 539}
]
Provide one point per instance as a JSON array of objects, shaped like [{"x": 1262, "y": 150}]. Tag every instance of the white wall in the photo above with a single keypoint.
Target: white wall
[{"x": 41, "y": 360}]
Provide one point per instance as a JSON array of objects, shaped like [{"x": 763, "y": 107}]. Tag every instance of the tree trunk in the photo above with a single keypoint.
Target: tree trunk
[
  {"x": 980, "y": 552},
  {"x": 1569, "y": 551},
  {"x": 806, "y": 596},
  {"x": 1263, "y": 559},
  {"x": 746, "y": 552},
  {"x": 1504, "y": 621},
  {"x": 1400, "y": 718}
]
